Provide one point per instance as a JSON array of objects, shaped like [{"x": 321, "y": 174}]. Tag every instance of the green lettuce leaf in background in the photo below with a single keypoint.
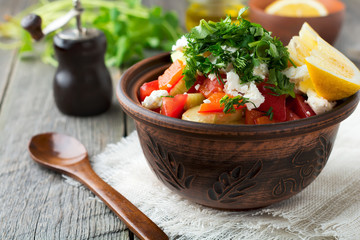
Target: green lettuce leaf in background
[{"x": 130, "y": 28}]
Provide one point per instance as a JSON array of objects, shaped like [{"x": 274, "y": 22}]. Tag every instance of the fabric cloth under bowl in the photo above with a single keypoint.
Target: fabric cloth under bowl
[{"x": 327, "y": 209}]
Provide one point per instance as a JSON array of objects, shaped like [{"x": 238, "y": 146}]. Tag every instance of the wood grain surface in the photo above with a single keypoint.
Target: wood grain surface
[{"x": 35, "y": 203}]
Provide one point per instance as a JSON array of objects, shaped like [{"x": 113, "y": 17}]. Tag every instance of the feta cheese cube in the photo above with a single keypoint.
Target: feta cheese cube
[
  {"x": 318, "y": 104},
  {"x": 154, "y": 100},
  {"x": 180, "y": 44},
  {"x": 300, "y": 76},
  {"x": 248, "y": 90},
  {"x": 261, "y": 70},
  {"x": 212, "y": 76},
  {"x": 229, "y": 49}
]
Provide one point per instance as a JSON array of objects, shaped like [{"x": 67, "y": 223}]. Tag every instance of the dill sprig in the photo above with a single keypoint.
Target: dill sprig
[{"x": 230, "y": 104}]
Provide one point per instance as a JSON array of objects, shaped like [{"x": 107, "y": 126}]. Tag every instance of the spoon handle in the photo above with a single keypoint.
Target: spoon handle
[{"x": 138, "y": 222}]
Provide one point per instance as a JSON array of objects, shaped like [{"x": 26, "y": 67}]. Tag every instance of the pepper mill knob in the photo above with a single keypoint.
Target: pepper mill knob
[{"x": 32, "y": 23}]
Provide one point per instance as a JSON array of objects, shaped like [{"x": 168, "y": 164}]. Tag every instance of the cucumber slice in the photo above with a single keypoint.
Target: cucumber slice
[
  {"x": 215, "y": 118},
  {"x": 178, "y": 55},
  {"x": 193, "y": 99},
  {"x": 179, "y": 88}
]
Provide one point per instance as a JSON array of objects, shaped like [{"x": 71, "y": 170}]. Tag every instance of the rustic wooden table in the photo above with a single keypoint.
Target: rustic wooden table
[{"x": 36, "y": 203}]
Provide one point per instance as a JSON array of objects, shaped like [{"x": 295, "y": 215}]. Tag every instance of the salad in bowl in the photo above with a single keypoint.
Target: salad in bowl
[
  {"x": 237, "y": 73},
  {"x": 221, "y": 77}
]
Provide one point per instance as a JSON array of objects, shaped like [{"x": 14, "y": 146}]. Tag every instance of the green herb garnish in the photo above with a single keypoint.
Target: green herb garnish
[
  {"x": 270, "y": 113},
  {"x": 281, "y": 83},
  {"x": 230, "y": 104},
  {"x": 243, "y": 44}
]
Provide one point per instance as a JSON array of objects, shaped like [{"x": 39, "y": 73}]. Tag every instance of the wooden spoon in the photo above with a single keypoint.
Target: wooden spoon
[{"x": 67, "y": 155}]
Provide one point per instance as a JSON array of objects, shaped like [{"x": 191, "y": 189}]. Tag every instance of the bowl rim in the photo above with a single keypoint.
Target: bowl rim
[{"x": 139, "y": 113}]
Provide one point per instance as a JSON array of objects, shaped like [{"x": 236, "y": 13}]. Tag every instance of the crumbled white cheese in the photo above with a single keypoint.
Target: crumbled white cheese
[
  {"x": 318, "y": 104},
  {"x": 213, "y": 59},
  {"x": 154, "y": 100},
  {"x": 248, "y": 90},
  {"x": 298, "y": 74},
  {"x": 169, "y": 85},
  {"x": 254, "y": 96},
  {"x": 212, "y": 76},
  {"x": 197, "y": 86},
  {"x": 229, "y": 49},
  {"x": 207, "y": 101},
  {"x": 180, "y": 44},
  {"x": 261, "y": 70},
  {"x": 232, "y": 86}
]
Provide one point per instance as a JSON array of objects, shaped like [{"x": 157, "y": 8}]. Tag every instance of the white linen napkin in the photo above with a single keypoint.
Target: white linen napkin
[{"x": 329, "y": 208}]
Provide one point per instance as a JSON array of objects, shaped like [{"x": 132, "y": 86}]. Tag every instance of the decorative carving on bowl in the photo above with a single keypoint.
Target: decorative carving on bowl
[
  {"x": 308, "y": 168},
  {"x": 168, "y": 169},
  {"x": 234, "y": 185}
]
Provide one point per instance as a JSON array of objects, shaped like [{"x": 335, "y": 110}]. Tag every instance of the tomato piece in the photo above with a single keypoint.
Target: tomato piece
[
  {"x": 264, "y": 120},
  {"x": 291, "y": 115},
  {"x": 199, "y": 81},
  {"x": 171, "y": 75},
  {"x": 214, "y": 105},
  {"x": 278, "y": 103},
  {"x": 210, "y": 86},
  {"x": 147, "y": 88},
  {"x": 156, "y": 110},
  {"x": 300, "y": 107},
  {"x": 173, "y": 106},
  {"x": 252, "y": 115}
]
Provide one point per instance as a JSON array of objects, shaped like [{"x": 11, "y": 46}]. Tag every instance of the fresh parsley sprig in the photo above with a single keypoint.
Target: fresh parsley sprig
[
  {"x": 241, "y": 43},
  {"x": 281, "y": 83}
]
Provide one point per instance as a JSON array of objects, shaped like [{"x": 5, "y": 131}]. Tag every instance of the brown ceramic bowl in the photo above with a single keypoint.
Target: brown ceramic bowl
[
  {"x": 231, "y": 167},
  {"x": 285, "y": 28}
]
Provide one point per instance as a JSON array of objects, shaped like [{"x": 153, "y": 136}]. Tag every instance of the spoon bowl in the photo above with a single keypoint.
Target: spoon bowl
[
  {"x": 67, "y": 155},
  {"x": 54, "y": 150}
]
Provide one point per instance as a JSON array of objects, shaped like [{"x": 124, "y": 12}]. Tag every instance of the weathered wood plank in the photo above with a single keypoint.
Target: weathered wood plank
[
  {"x": 42, "y": 205},
  {"x": 7, "y": 56},
  {"x": 45, "y": 206},
  {"x": 36, "y": 203},
  {"x": 6, "y": 62}
]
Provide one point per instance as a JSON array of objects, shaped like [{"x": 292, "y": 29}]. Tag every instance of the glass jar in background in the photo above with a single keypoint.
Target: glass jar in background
[{"x": 213, "y": 10}]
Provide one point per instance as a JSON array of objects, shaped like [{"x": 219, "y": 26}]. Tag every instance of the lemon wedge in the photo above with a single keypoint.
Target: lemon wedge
[
  {"x": 300, "y": 46},
  {"x": 333, "y": 75},
  {"x": 297, "y": 8}
]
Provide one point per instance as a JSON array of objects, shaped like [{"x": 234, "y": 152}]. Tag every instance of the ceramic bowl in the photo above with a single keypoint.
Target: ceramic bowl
[
  {"x": 285, "y": 28},
  {"x": 233, "y": 167}
]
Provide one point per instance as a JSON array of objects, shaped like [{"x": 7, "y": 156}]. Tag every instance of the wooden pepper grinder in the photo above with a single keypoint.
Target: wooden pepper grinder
[{"x": 82, "y": 84}]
